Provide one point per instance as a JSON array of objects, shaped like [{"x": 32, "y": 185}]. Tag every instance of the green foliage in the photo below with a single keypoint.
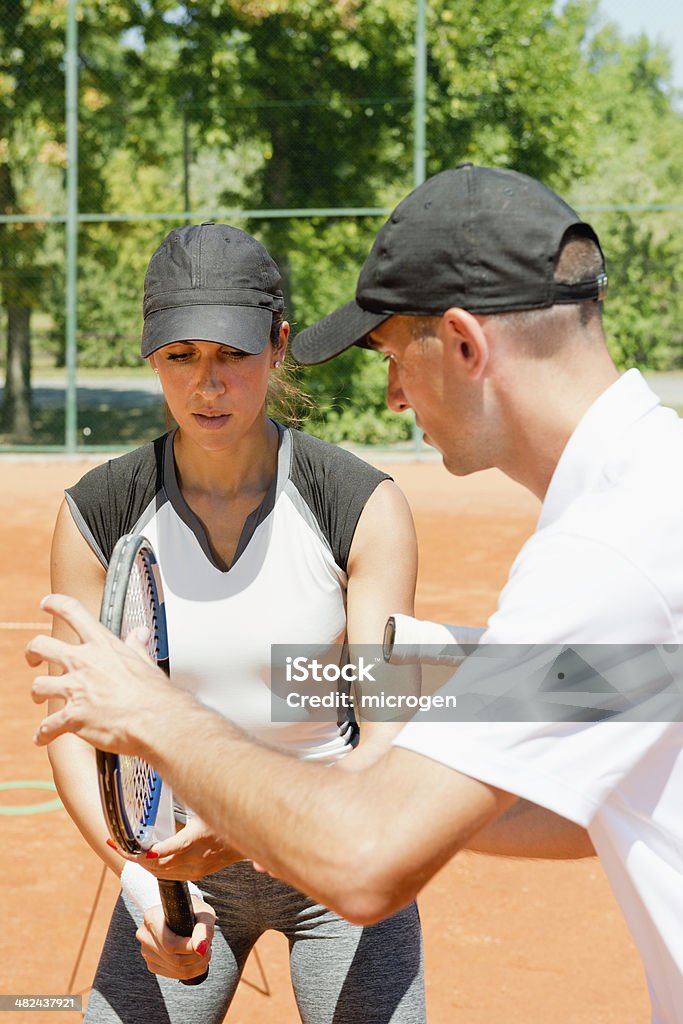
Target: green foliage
[
  {"x": 491, "y": 67},
  {"x": 349, "y": 401},
  {"x": 248, "y": 104}
]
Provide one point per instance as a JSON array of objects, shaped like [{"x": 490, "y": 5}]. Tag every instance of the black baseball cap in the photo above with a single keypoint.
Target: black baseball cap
[
  {"x": 210, "y": 282},
  {"x": 481, "y": 238}
]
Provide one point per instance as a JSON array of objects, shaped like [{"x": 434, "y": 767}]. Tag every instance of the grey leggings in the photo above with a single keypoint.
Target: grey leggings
[{"x": 341, "y": 973}]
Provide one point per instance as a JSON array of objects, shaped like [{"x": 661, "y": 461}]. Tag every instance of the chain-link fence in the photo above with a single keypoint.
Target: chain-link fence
[
  {"x": 119, "y": 124},
  {"x": 302, "y": 122}
]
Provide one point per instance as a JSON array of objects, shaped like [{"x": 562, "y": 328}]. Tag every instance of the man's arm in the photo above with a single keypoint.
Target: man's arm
[
  {"x": 527, "y": 830},
  {"x": 363, "y": 842}
]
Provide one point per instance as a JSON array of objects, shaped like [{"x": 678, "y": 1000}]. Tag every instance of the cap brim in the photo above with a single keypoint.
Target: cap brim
[
  {"x": 349, "y": 325},
  {"x": 246, "y": 328}
]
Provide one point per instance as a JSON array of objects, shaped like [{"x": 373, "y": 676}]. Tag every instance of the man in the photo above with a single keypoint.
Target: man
[{"x": 483, "y": 291}]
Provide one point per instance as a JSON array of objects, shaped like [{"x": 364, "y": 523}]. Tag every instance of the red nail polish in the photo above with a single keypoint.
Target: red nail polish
[
  {"x": 112, "y": 844},
  {"x": 151, "y": 855},
  {"x": 202, "y": 947}
]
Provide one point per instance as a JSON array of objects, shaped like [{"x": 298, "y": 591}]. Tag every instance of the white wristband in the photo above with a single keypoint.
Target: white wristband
[{"x": 141, "y": 888}]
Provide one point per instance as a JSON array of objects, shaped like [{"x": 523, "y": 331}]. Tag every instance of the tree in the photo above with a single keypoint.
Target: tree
[
  {"x": 637, "y": 165},
  {"x": 305, "y": 104},
  {"x": 31, "y": 49}
]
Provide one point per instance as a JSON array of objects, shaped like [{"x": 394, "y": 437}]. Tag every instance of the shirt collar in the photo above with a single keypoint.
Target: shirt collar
[{"x": 583, "y": 459}]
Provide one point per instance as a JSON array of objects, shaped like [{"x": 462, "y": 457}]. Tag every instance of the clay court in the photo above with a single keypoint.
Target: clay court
[{"x": 505, "y": 940}]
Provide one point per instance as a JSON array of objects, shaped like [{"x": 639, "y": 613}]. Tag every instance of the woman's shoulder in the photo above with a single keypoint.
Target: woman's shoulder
[
  {"x": 334, "y": 485},
  {"x": 329, "y": 460},
  {"x": 121, "y": 472},
  {"x": 111, "y": 498}
]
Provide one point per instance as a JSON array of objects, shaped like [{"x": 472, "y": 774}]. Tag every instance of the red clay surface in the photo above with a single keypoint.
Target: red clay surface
[{"x": 505, "y": 940}]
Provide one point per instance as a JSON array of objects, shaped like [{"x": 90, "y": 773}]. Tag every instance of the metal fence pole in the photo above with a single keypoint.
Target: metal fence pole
[
  {"x": 420, "y": 94},
  {"x": 71, "y": 355},
  {"x": 420, "y": 130}
]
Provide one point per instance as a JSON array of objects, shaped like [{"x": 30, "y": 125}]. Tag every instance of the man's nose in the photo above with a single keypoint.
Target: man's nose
[{"x": 396, "y": 400}]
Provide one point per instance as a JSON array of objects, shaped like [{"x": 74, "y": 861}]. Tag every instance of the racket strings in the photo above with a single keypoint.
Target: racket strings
[
  {"x": 139, "y": 783},
  {"x": 139, "y": 606}
]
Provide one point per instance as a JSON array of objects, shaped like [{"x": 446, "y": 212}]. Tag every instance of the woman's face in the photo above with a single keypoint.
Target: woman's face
[{"x": 216, "y": 393}]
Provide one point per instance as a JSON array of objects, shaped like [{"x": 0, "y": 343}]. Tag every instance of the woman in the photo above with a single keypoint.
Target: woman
[{"x": 263, "y": 536}]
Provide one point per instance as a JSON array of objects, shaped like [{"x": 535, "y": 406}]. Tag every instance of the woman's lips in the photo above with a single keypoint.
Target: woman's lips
[{"x": 211, "y": 421}]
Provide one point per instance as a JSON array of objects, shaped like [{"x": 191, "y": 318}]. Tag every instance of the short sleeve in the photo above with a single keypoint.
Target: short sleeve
[
  {"x": 335, "y": 485},
  {"x": 109, "y": 500},
  {"x": 565, "y": 588},
  {"x": 570, "y": 768}
]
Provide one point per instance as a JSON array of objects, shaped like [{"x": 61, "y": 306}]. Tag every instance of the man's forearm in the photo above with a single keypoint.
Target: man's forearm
[{"x": 283, "y": 813}]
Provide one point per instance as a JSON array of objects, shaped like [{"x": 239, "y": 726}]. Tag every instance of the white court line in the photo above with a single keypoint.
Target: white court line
[{"x": 23, "y": 625}]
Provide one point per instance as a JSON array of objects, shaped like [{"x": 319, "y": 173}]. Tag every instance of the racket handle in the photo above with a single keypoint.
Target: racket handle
[{"x": 177, "y": 904}]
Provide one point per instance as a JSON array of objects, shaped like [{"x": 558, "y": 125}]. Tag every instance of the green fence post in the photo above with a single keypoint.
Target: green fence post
[
  {"x": 420, "y": 131},
  {"x": 71, "y": 69}
]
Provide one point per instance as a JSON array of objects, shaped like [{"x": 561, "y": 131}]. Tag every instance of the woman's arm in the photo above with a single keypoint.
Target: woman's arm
[
  {"x": 382, "y": 573},
  {"x": 75, "y": 570}
]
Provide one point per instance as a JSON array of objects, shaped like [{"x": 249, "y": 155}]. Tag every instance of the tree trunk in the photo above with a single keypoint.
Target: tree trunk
[
  {"x": 17, "y": 405},
  {"x": 16, "y": 410}
]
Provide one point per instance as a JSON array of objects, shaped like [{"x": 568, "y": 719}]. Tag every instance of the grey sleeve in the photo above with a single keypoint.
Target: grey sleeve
[
  {"x": 108, "y": 501},
  {"x": 336, "y": 486}
]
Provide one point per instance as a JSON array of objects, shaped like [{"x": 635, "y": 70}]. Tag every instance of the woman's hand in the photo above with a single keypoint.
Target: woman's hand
[
  {"x": 174, "y": 956},
  {"x": 194, "y": 851}
]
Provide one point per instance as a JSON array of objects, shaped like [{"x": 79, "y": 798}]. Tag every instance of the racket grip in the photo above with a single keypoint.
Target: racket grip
[
  {"x": 177, "y": 904},
  {"x": 410, "y": 641}
]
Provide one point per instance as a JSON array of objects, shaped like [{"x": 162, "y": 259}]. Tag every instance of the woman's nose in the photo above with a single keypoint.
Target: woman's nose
[{"x": 211, "y": 381}]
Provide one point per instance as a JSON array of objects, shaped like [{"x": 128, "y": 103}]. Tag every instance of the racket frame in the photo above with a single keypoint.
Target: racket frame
[{"x": 174, "y": 895}]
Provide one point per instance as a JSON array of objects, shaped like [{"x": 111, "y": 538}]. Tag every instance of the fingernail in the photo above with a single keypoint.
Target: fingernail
[
  {"x": 46, "y": 598},
  {"x": 151, "y": 855},
  {"x": 112, "y": 845},
  {"x": 202, "y": 947}
]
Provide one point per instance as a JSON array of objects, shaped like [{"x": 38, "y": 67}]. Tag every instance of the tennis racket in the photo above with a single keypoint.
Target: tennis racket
[
  {"x": 408, "y": 641},
  {"x": 137, "y": 806}
]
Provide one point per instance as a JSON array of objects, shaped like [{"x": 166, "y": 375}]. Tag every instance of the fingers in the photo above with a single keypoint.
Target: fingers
[
  {"x": 174, "y": 844},
  {"x": 61, "y": 721},
  {"x": 74, "y": 614},
  {"x": 174, "y": 956},
  {"x": 138, "y": 641},
  {"x": 53, "y": 726},
  {"x": 47, "y": 648},
  {"x": 45, "y": 687}
]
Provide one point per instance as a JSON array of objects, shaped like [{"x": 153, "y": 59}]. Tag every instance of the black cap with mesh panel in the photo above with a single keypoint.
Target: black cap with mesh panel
[{"x": 481, "y": 238}]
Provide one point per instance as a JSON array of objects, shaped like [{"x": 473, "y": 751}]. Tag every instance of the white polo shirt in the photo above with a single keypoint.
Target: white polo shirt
[{"x": 604, "y": 566}]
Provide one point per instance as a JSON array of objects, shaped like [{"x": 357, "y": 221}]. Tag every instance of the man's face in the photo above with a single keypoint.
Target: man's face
[{"x": 424, "y": 376}]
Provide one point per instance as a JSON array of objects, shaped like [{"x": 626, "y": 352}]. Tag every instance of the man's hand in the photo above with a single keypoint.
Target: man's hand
[
  {"x": 109, "y": 687},
  {"x": 172, "y": 955}
]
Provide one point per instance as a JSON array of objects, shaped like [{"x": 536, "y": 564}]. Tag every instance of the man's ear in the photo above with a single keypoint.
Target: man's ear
[{"x": 465, "y": 340}]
